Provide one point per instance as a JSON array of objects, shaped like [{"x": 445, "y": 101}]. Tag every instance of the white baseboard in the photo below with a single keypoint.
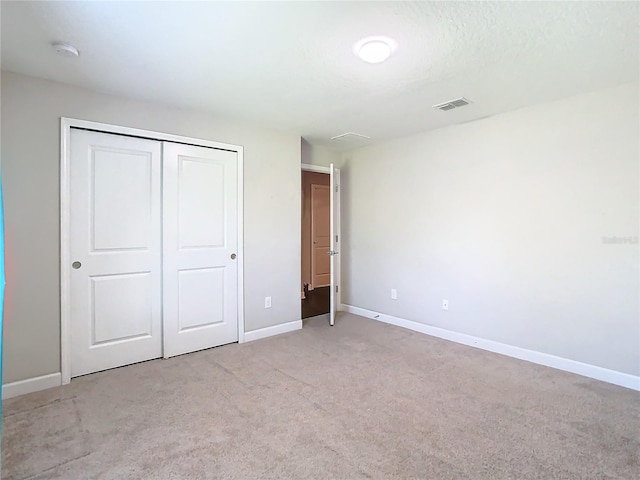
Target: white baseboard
[
  {"x": 572, "y": 366},
  {"x": 270, "y": 331},
  {"x": 30, "y": 385}
]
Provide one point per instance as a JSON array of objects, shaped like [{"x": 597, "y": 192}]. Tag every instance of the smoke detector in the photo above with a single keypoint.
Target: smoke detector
[
  {"x": 65, "y": 49},
  {"x": 451, "y": 104}
]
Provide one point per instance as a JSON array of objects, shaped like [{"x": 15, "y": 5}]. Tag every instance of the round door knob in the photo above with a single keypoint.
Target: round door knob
[
  {"x": 233, "y": 256},
  {"x": 76, "y": 265}
]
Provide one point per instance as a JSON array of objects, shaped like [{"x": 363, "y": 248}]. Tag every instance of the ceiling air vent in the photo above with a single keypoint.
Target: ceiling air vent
[
  {"x": 451, "y": 104},
  {"x": 350, "y": 137}
]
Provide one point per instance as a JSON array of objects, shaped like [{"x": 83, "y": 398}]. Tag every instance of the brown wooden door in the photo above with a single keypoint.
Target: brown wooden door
[{"x": 320, "y": 236}]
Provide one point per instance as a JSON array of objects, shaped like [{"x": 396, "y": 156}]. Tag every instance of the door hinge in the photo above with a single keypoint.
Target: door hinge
[
  {"x": 336, "y": 288},
  {"x": 337, "y": 186},
  {"x": 336, "y": 238}
]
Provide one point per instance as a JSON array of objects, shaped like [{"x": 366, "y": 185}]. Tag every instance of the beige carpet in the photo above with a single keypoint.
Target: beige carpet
[{"x": 358, "y": 400}]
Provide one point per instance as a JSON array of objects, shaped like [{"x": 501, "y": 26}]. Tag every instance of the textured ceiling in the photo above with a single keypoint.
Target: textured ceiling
[{"x": 290, "y": 65}]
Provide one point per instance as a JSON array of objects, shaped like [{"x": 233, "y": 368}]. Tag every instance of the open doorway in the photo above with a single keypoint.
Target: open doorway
[
  {"x": 316, "y": 244},
  {"x": 314, "y": 234}
]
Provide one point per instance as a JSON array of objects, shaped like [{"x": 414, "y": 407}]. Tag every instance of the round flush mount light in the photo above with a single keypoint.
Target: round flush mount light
[
  {"x": 374, "y": 49},
  {"x": 65, "y": 49}
]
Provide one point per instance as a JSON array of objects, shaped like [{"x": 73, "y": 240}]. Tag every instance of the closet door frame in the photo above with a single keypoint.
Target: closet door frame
[{"x": 66, "y": 124}]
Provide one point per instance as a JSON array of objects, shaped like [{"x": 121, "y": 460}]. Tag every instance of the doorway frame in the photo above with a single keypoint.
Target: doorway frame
[
  {"x": 338, "y": 273},
  {"x": 66, "y": 124}
]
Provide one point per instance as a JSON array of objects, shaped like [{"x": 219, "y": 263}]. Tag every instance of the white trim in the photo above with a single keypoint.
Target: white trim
[
  {"x": 65, "y": 203},
  {"x": 568, "y": 365},
  {"x": 65, "y": 255},
  {"x": 30, "y": 385},
  {"x": 315, "y": 168},
  {"x": 270, "y": 331},
  {"x": 337, "y": 219},
  {"x": 149, "y": 134},
  {"x": 240, "y": 227}
]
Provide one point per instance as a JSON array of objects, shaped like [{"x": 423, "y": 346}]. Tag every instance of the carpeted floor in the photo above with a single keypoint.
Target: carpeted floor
[{"x": 358, "y": 400}]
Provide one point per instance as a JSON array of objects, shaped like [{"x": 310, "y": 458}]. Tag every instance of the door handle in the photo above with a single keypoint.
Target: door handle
[
  {"x": 233, "y": 256},
  {"x": 332, "y": 252},
  {"x": 76, "y": 265}
]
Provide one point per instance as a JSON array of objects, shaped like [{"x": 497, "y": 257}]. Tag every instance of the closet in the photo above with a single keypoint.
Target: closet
[{"x": 153, "y": 245}]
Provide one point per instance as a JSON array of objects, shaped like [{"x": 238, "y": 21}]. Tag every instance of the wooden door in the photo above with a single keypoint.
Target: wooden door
[{"x": 320, "y": 236}]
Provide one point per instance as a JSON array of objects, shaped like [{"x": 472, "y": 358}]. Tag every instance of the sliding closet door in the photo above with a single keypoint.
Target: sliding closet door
[
  {"x": 200, "y": 267},
  {"x": 115, "y": 234}
]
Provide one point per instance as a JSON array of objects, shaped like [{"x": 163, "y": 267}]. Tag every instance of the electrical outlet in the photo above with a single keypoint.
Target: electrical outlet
[
  {"x": 394, "y": 294},
  {"x": 267, "y": 302},
  {"x": 445, "y": 304}
]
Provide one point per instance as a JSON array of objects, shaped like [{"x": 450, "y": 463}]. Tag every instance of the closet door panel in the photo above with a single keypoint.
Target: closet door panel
[
  {"x": 200, "y": 273},
  {"x": 115, "y": 246}
]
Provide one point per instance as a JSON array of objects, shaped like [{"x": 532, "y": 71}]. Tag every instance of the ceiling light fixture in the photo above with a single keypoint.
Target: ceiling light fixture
[
  {"x": 65, "y": 49},
  {"x": 374, "y": 49}
]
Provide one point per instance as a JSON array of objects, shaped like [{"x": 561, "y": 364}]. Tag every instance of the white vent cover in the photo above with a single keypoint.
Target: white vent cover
[
  {"x": 350, "y": 137},
  {"x": 451, "y": 104}
]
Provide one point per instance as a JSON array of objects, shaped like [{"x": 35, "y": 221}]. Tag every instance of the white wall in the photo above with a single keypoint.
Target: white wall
[
  {"x": 31, "y": 111},
  {"x": 505, "y": 218},
  {"x": 317, "y": 155}
]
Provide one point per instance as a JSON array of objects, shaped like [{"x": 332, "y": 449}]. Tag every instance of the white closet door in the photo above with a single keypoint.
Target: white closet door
[
  {"x": 200, "y": 266},
  {"x": 115, "y": 234},
  {"x": 334, "y": 215}
]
